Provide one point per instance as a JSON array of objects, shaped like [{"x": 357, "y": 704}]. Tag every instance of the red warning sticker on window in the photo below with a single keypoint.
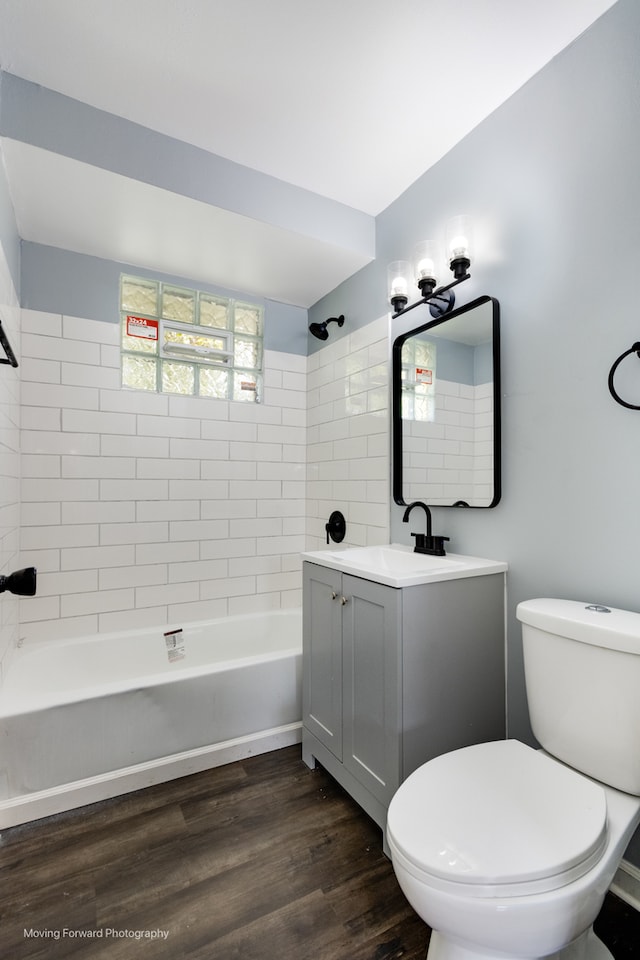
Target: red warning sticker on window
[
  {"x": 141, "y": 327},
  {"x": 423, "y": 375}
]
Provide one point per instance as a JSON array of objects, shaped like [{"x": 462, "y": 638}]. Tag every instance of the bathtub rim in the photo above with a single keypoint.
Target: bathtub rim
[
  {"x": 86, "y": 638},
  {"x": 44, "y": 701}
]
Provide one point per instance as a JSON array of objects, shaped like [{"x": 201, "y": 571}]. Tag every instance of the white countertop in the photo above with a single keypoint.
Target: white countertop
[{"x": 397, "y": 565}]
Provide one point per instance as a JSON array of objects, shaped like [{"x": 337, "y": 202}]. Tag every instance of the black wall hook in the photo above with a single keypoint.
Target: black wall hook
[{"x": 634, "y": 349}]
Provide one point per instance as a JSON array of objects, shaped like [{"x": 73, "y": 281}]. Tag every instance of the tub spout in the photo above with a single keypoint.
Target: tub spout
[{"x": 22, "y": 582}]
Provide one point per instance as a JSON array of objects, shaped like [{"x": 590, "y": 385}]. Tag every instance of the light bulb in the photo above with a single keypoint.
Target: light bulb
[
  {"x": 459, "y": 239},
  {"x": 425, "y": 258},
  {"x": 398, "y": 274},
  {"x": 459, "y": 246},
  {"x": 398, "y": 287},
  {"x": 425, "y": 268}
]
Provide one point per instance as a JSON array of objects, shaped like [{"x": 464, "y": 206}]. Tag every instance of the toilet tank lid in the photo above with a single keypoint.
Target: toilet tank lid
[{"x": 584, "y": 621}]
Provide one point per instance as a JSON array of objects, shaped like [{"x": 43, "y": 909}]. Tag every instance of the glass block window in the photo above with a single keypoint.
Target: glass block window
[
  {"x": 418, "y": 379},
  {"x": 176, "y": 340}
]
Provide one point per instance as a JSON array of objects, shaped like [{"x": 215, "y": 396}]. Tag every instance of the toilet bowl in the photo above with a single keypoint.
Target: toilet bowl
[{"x": 507, "y": 851}]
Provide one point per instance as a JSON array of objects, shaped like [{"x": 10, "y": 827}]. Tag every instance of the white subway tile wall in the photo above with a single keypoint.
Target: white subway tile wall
[
  {"x": 9, "y": 465},
  {"x": 348, "y": 436},
  {"x": 141, "y": 510}
]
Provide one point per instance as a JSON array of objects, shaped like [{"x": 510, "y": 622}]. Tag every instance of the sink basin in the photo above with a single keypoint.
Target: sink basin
[
  {"x": 397, "y": 565},
  {"x": 394, "y": 559}
]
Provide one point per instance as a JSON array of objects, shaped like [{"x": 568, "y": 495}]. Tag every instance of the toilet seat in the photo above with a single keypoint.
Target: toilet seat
[{"x": 497, "y": 819}]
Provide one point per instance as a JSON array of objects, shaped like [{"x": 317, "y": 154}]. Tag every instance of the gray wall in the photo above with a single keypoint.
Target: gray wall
[
  {"x": 461, "y": 362},
  {"x": 9, "y": 239},
  {"x": 552, "y": 182},
  {"x": 59, "y": 281}
]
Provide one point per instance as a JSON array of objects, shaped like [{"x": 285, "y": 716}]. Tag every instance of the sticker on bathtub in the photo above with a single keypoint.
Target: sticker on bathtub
[{"x": 174, "y": 639}]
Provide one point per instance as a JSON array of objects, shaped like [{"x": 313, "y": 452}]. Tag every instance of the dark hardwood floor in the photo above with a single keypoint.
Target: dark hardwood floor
[{"x": 259, "y": 860}]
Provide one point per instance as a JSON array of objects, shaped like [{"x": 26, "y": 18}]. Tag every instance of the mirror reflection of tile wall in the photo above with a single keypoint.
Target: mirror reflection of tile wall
[{"x": 451, "y": 457}]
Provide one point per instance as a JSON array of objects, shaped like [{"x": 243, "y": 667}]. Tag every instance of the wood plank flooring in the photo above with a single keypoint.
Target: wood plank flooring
[{"x": 258, "y": 860}]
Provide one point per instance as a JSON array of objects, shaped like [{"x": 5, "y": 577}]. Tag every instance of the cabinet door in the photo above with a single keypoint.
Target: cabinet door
[
  {"x": 322, "y": 656},
  {"x": 372, "y": 680}
]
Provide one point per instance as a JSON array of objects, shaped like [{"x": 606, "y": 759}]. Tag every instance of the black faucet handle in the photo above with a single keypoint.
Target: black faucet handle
[
  {"x": 336, "y": 527},
  {"x": 437, "y": 546},
  {"x": 432, "y": 545}
]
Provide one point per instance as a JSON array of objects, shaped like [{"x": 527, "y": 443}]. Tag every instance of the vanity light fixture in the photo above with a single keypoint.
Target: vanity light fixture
[
  {"x": 425, "y": 269},
  {"x": 320, "y": 331}
]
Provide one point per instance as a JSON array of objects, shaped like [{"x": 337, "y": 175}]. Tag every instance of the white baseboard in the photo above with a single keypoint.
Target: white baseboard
[
  {"x": 68, "y": 796},
  {"x": 626, "y": 884}
]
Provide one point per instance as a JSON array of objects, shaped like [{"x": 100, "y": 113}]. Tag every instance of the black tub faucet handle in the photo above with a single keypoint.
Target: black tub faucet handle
[{"x": 336, "y": 527}]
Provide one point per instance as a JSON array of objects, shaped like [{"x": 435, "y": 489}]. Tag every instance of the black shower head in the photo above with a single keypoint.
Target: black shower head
[{"x": 320, "y": 331}]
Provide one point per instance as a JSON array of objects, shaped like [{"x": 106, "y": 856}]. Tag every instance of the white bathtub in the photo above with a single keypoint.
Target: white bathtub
[{"x": 82, "y": 720}]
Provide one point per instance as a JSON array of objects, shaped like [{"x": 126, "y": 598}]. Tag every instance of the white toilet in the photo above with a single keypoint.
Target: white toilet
[{"x": 507, "y": 852}]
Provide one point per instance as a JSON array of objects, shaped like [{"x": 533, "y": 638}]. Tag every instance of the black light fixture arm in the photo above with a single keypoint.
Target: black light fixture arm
[{"x": 438, "y": 294}]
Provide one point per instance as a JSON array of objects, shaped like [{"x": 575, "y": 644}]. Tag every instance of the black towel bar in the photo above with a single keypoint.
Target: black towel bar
[{"x": 634, "y": 349}]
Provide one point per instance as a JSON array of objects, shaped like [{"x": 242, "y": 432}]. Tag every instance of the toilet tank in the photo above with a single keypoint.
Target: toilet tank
[{"x": 582, "y": 670}]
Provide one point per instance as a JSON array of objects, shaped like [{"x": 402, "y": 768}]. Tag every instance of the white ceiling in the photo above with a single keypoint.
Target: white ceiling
[{"x": 350, "y": 99}]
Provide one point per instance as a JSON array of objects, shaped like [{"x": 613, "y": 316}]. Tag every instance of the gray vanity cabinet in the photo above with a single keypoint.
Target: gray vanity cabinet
[
  {"x": 351, "y": 675},
  {"x": 322, "y": 656},
  {"x": 394, "y": 677}
]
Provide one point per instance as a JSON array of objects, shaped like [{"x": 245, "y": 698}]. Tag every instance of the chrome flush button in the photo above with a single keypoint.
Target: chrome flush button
[{"x": 598, "y": 608}]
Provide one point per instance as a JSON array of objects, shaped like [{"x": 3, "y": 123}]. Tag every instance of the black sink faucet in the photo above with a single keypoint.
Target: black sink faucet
[{"x": 425, "y": 543}]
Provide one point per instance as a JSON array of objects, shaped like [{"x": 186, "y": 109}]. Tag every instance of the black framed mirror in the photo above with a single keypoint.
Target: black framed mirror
[{"x": 446, "y": 409}]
